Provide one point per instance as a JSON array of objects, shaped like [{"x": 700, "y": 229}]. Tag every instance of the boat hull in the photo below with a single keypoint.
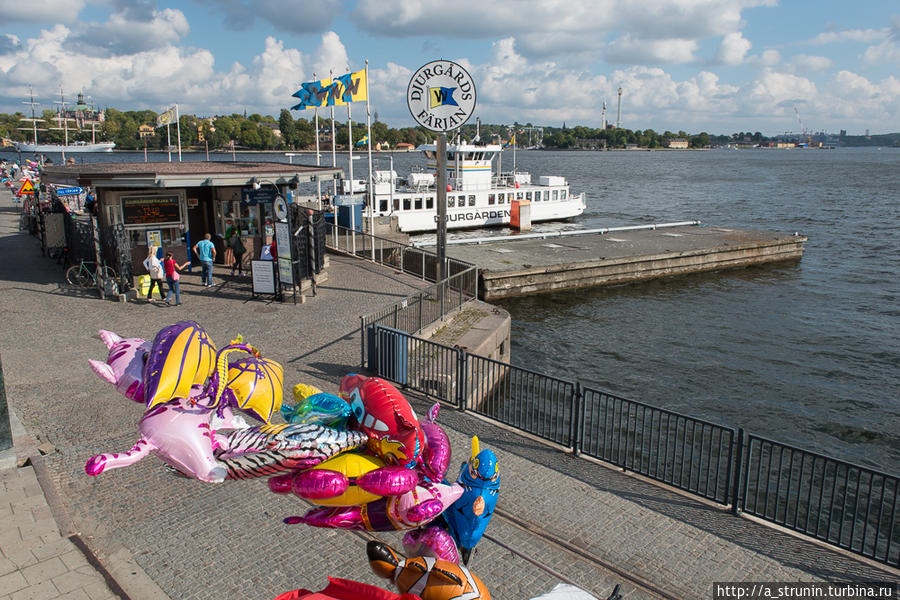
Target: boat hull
[
  {"x": 477, "y": 217},
  {"x": 99, "y": 147}
]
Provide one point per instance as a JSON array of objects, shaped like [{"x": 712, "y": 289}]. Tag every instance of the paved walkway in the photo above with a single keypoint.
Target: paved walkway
[{"x": 152, "y": 535}]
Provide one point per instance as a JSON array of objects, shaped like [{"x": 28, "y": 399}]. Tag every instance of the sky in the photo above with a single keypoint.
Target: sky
[{"x": 719, "y": 66}]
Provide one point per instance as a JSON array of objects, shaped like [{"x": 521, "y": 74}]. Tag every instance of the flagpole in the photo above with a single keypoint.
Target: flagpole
[
  {"x": 318, "y": 155},
  {"x": 371, "y": 180},
  {"x": 168, "y": 142},
  {"x": 333, "y": 164},
  {"x": 178, "y": 128},
  {"x": 350, "y": 142}
]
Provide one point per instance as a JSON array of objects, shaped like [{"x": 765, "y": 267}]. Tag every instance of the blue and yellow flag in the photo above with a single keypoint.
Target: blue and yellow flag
[
  {"x": 363, "y": 141},
  {"x": 441, "y": 96},
  {"x": 352, "y": 87}
]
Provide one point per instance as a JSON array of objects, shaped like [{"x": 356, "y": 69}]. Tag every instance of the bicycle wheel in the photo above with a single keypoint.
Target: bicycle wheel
[
  {"x": 77, "y": 275},
  {"x": 110, "y": 281}
]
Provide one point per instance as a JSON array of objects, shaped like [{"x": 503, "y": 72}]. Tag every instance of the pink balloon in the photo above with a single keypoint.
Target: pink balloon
[
  {"x": 317, "y": 484},
  {"x": 388, "y": 481},
  {"x": 431, "y": 541},
  {"x": 436, "y": 458},
  {"x": 124, "y": 364}
]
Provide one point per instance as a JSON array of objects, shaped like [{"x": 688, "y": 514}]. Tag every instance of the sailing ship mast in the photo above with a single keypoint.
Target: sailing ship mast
[{"x": 33, "y": 119}]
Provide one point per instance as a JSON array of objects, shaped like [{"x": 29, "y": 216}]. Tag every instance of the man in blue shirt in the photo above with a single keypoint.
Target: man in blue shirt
[{"x": 206, "y": 252}]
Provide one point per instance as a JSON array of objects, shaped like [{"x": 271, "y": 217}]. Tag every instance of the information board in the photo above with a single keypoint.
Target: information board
[
  {"x": 263, "y": 276},
  {"x": 285, "y": 271},
  {"x": 150, "y": 210}
]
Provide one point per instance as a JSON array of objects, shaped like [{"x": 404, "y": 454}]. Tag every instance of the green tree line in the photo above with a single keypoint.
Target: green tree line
[{"x": 258, "y": 132}]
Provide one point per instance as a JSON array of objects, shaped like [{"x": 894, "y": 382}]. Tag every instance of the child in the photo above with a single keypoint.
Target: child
[{"x": 171, "y": 269}]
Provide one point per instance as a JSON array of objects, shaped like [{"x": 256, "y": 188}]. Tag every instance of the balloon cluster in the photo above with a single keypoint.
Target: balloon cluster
[{"x": 362, "y": 457}]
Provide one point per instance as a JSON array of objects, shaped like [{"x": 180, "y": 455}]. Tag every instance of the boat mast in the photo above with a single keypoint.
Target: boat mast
[
  {"x": 63, "y": 120},
  {"x": 33, "y": 119}
]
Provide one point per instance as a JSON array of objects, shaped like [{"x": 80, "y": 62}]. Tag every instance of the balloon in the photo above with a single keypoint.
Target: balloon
[
  {"x": 406, "y": 511},
  {"x": 124, "y": 366},
  {"x": 268, "y": 449},
  {"x": 431, "y": 579},
  {"x": 255, "y": 385},
  {"x": 433, "y": 540},
  {"x": 344, "y": 589},
  {"x": 469, "y": 516},
  {"x": 181, "y": 356},
  {"x": 315, "y": 406},
  {"x": 383, "y": 413},
  {"x": 436, "y": 456},
  {"x": 179, "y": 433}
]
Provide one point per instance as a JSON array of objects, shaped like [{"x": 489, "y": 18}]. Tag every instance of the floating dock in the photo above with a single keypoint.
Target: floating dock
[{"x": 537, "y": 264}]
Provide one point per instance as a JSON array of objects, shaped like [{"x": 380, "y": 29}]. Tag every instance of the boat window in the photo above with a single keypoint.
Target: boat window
[
  {"x": 546, "y": 195},
  {"x": 418, "y": 203},
  {"x": 382, "y": 206},
  {"x": 429, "y": 202},
  {"x": 500, "y": 198},
  {"x": 406, "y": 204},
  {"x": 451, "y": 156},
  {"x": 556, "y": 194},
  {"x": 471, "y": 199},
  {"x": 491, "y": 199},
  {"x": 451, "y": 201},
  {"x": 562, "y": 194},
  {"x": 528, "y": 196},
  {"x": 396, "y": 203},
  {"x": 518, "y": 195}
]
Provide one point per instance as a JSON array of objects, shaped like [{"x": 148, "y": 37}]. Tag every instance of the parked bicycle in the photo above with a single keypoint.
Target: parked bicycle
[{"x": 85, "y": 274}]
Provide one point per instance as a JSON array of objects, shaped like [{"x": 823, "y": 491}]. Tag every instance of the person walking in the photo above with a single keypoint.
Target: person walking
[
  {"x": 171, "y": 269},
  {"x": 206, "y": 253},
  {"x": 155, "y": 268},
  {"x": 237, "y": 248}
]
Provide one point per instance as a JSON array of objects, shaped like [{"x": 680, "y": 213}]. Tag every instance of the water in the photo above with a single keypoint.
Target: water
[{"x": 806, "y": 353}]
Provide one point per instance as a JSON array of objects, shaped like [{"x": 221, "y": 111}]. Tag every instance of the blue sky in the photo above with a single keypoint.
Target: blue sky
[{"x": 719, "y": 66}]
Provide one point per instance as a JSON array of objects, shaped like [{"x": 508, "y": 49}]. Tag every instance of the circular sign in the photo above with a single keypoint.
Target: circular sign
[
  {"x": 280, "y": 208},
  {"x": 441, "y": 95}
]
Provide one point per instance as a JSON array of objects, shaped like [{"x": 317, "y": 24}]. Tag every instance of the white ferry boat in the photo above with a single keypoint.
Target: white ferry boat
[
  {"x": 476, "y": 196},
  {"x": 73, "y": 147}
]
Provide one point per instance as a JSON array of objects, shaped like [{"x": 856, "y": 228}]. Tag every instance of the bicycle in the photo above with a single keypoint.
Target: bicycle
[{"x": 86, "y": 275}]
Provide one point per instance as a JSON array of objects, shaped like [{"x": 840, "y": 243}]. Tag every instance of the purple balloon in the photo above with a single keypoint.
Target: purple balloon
[{"x": 431, "y": 541}]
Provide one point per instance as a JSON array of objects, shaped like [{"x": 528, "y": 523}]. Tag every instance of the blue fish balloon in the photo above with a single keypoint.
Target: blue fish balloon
[{"x": 468, "y": 517}]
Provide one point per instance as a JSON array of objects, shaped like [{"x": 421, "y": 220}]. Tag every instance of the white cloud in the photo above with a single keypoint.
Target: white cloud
[
  {"x": 43, "y": 11},
  {"x": 770, "y": 58},
  {"x": 802, "y": 63},
  {"x": 629, "y": 50},
  {"x": 129, "y": 31},
  {"x": 331, "y": 55},
  {"x": 732, "y": 49},
  {"x": 849, "y": 35}
]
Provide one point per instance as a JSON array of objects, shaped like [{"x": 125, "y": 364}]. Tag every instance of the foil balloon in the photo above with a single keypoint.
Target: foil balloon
[
  {"x": 429, "y": 578},
  {"x": 412, "y": 509},
  {"x": 382, "y": 412},
  {"x": 469, "y": 516},
  {"x": 179, "y": 433},
  {"x": 181, "y": 356},
  {"x": 124, "y": 366},
  {"x": 344, "y": 589},
  {"x": 433, "y": 540},
  {"x": 436, "y": 457},
  {"x": 317, "y": 407}
]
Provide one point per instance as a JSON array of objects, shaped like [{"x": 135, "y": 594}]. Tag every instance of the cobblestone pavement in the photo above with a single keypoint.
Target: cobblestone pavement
[{"x": 159, "y": 535}]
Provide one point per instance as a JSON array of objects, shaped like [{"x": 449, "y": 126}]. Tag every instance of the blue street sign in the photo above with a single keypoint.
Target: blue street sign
[
  {"x": 264, "y": 195},
  {"x": 69, "y": 191}
]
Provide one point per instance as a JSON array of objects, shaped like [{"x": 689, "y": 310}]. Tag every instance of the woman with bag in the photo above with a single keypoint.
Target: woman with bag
[
  {"x": 171, "y": 268},
  {"x": 155, "y": 268}
]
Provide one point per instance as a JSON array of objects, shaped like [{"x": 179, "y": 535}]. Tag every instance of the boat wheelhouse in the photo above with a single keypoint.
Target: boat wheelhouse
[{"x": 478, "y": 194}]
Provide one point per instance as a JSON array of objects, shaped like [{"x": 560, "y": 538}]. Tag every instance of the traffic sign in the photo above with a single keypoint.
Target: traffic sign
[
  {"x": 27, "y": 188},
  {"x": 68, "y": 191}
]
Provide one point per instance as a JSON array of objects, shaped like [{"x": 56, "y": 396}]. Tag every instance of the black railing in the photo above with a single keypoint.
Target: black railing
[
  {"x": 845, "y": 505},
  {"x": 840, "y": 503}
]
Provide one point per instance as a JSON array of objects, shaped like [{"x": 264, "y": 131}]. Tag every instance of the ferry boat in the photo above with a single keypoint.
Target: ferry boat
[
  {"x": 477, "y": 196},
  {"x": 73, "y": 147}
]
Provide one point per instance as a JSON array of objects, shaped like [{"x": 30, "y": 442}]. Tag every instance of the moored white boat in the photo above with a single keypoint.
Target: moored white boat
[
  {"x": 477, "y": 196},
  {"x": 73, "y": 147}
]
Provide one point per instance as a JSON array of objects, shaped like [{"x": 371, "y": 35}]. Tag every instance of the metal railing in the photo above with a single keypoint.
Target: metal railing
[
  {"x": 834, "y": 501},
  {"x": 422, "y": 308}
]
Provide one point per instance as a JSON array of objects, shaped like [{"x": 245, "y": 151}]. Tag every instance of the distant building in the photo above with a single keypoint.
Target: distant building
[
  {"x": 274, "y": 127},
  {"x": 678, "y": 144},
  {"x": 405, "y": 146},
  {"x": 145, "y": 131}
]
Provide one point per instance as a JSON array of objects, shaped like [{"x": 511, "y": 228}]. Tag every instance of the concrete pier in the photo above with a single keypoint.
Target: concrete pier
[{"x": 519, "y": 267}]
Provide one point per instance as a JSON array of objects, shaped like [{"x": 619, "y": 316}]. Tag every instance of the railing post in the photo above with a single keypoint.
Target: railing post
[
  {"x": 735, "y": 467},
  {"x": 577, "y": 418},
  {"x": 422, "y": 252},
  {"x": 462, "y": 378},
  {"x": 402, "y": 252},
  {"x": 421, "y": 302},
  {"x": 362, "y": 342},
  {"x": 396, "y": 310}
]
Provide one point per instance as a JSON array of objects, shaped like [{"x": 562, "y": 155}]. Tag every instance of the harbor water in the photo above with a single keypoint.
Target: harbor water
[{"x": 806, "y": 353}]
